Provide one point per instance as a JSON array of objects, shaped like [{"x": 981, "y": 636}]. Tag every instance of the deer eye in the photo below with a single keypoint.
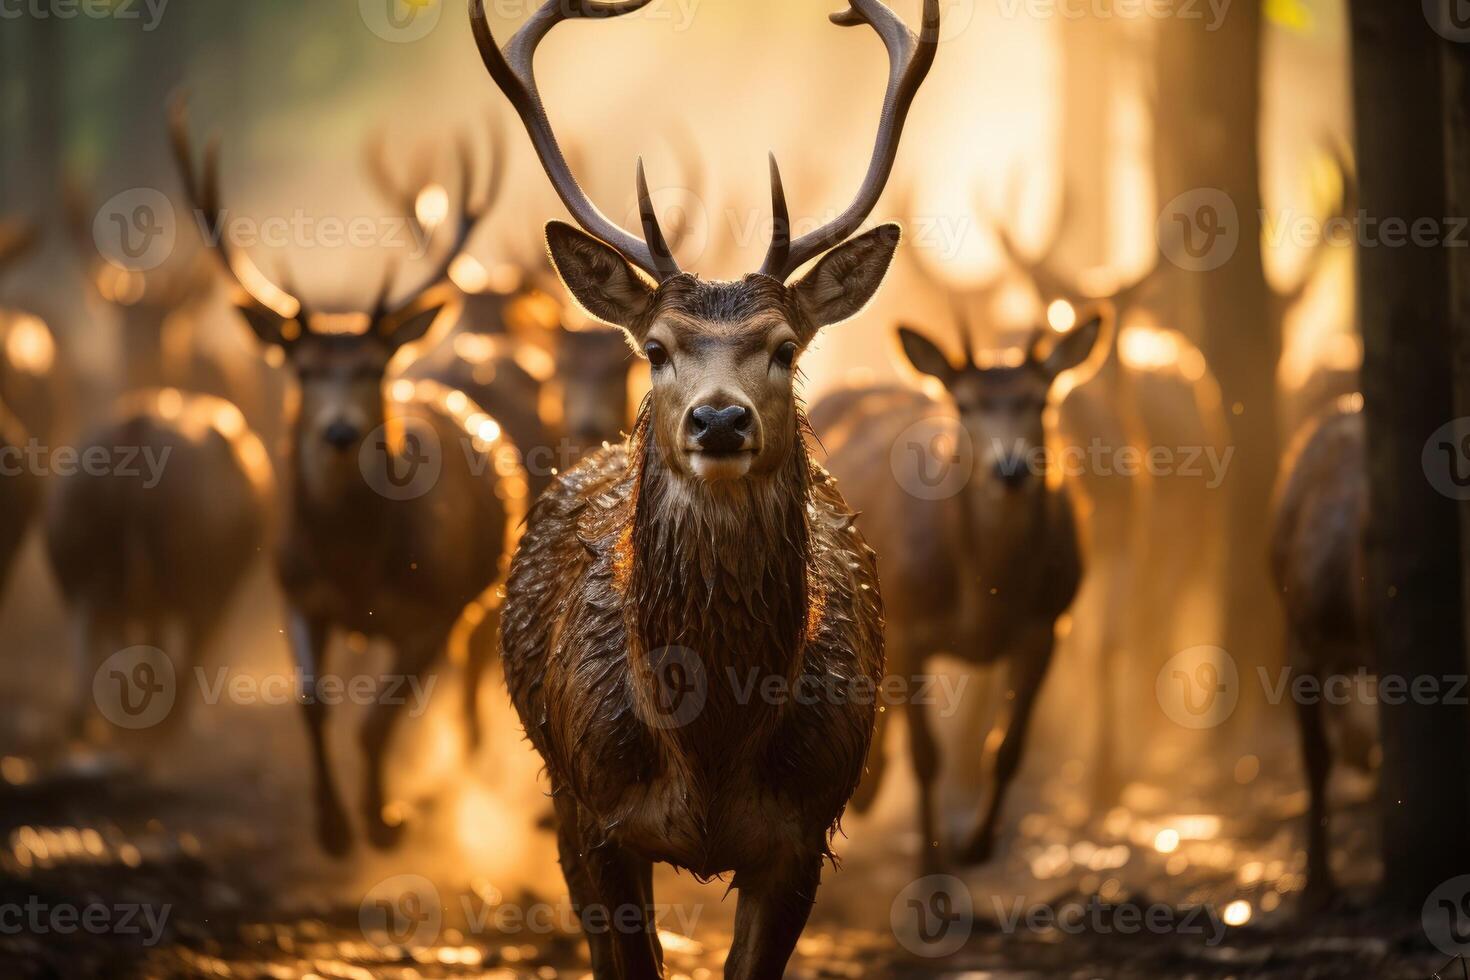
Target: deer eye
[
  {"x": 786, "y": 354},
  {"x": 657, "y": 356}
]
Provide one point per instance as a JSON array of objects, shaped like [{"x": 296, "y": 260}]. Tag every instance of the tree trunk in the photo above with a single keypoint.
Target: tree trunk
[
  {"x": 1413, "y": 545},
  {"x": 1207, "y": 137}
]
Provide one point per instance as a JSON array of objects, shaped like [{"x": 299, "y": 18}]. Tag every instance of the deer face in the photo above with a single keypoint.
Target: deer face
[
  {"x": 722, "y": 355},
  {"x": 593, "y": 367},
  {"x": 340, "y": 379},
  {"x": 1002, "y": 408}
]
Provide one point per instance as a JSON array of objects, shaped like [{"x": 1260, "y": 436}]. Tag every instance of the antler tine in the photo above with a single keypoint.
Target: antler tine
[
  {"x": 385, "y": 289},
  {"x": 375, "y": 163},
  {"x": 964, "y": 326},
  {"x": 910, "y": 60},
  {"x": 779, "y": 254},
  {"x": 663, "y": 256},
  {"x": 204, "y": 199},
  {"x": 470, "y": 215},
  {"x": 1042, "y": 270},
  {"x": 514, "y": 72}
]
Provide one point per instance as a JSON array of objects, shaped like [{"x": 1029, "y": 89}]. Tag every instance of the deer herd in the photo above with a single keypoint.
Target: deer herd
[{"x": 718, "y": 531}]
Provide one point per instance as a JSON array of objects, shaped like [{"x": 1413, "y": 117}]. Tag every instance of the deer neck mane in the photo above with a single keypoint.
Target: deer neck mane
[{"x": 720, "y": 569}]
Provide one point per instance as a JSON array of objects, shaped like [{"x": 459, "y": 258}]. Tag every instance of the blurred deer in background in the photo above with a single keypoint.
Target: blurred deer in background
[
  {"x": 708, "y": 551},
  {"x": 1153, "y": 389},
  {"x": 151, "y": 543},
  {"x": 403, "y": 499},
  {"x": 500, "y": 369},
  {"x": 161, "y": 315},
  {"x": 33, "y": 381},
  {"x": 20, "y": 489},
  {"x": 981, "y": 566},
  {"x": 1318, "y": 564}
]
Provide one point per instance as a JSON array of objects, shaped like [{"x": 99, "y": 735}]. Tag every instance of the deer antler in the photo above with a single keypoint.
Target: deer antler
[
  {"x": 962, "y": 300},
  {"x": 470, "y": 215},
  {"x": 404, "y": 197},
  {"x": 202, "y": 190},
  {"x": 514, "y": 71},
  {"x": 1046, "y": 271},
  {"x": 910, "y": 58}
]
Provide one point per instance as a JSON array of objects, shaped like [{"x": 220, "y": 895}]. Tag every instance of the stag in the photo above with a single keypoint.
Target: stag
[
  {"x": 370, "y": 544},
  {"x": 1317, "y": 560},
  {"x": 984, "y": 572},
  {"x": 161, "y": 315},
  {"x": 152, "y": 546},
  {"x": 706, "y": 551}
]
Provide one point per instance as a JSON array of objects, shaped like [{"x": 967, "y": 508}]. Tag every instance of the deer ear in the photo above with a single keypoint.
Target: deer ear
[
  {"x": 268, "y": 325},
  {"x": 599, "y": 278},
  {"x": 412, "y": 325},
  {"x": 847, "y": 278},
  {"x": 924, "y": 355},
  {"x": 1073, "y": 347}
]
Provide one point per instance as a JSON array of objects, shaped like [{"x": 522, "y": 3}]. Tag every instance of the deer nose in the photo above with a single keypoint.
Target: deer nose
[
  {"x": 1011, "y": 470},
  {"x": 341, "y": 435},
  {"x": 720, "y": 430}
]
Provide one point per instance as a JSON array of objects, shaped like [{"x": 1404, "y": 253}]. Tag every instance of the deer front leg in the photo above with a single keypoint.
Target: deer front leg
[
  {"x": 1025, "y": 672},
  {"x": 412, "y": 659},
  {"x": 621, "y": 911},
  {"x": 579, "y": 882},
  {"x": 770, "y": 915},
  {"x": 309, "y": 637}
]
